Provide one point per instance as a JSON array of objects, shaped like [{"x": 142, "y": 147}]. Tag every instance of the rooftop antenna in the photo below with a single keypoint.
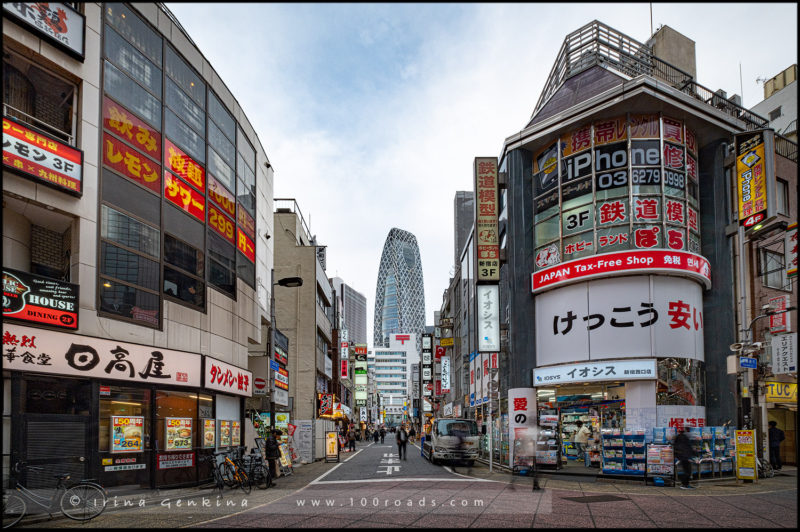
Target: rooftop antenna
[
  {"x": 651, "y": 19},
  {"x": 741, "y": 85}
]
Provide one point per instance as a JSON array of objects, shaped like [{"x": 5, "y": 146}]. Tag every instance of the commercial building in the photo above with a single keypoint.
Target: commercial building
[
  {"x": 393, "y": 377},
  {"x": 400, "y": 291},
  {"x": 354, "y": 311},
  {"x": 136, "y": 200}
]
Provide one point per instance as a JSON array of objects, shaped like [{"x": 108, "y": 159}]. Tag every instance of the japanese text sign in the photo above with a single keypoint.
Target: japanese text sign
[
  {"x": 745, "y": 454},
  {"x": 784, "y": 353},
  {"x": 445, "y": 374},
  {"x": 644, "y": 369},
  {"x": 752, "y": 168},
  {"x": 41, "y": 157},
  {"x": 778, "y": 323},
  {"x": 125, "y": 160},
  {"x": 178, "y": 433},
  {"x": 57, "y": 22},
  {"x": 185, "y": 197},
  {"x": 127, "y": 434},
  {"x": 486, "y": 212},
  {"x": 245, "y": 245},
  {"x": 29, "y": 349},
  {"x": 221, "y": 196},
  {"x": 488, "y": 314},
  {"x": 282, "y": 379},
  {"x": 184, "y": 166},
  {"x": 126, "y": 125},
  {"x": 325, "y": 404},
  {"x": 175, "y": 461},
  {"x": 227, "y": 378},
  {"x": 209, "y": 433},
  {"x": 246, "y": 222},
  {"x": 38, "y": 299},
  {"x": 790, "y": 250}
]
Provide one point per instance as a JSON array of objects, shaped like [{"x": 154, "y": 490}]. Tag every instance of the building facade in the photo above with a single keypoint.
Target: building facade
[
  {"x": 354, "y": 311},
  {"x": 393, "y": 376},
  {"x": 400, "y": 291},
  {"x": 136, "y": 197}
]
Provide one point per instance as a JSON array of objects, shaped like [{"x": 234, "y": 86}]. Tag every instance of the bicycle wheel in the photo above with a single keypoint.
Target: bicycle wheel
[
  {"x": 82, "y": 502},
  {"x": 244, "y": 480},
  {"x": 261, "y": 477},
  {"x": 13, "y": 509},
  {"x": 228, "y": 474}
]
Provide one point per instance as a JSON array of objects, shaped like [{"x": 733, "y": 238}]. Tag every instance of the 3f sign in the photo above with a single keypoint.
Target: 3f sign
[{"x": 488, "y": 272}]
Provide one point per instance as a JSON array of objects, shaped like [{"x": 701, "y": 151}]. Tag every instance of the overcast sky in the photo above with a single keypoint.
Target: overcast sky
[{"x": 372, "y": 114}]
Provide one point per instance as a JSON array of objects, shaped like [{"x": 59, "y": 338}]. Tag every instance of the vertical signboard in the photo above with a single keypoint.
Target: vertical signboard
[
  {"x": 745, "y": 454},
  {"x": 755, "y": 173},
  {"x": 488, "y": 302},
  {"x": 472, "y": 378},
  {"x": 521, "y": 416},
  {"x": 784, "y": 354},
  {"x": 486, "y": 212},
  {"x": 790, "y": 250},
  {"x": 445, "y": 374}
]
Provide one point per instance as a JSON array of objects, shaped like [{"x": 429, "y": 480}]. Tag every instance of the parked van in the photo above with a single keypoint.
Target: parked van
[{"x": 452, "y": 439}]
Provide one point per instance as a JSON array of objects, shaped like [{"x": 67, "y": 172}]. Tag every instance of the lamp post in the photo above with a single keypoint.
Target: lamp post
[{"x": 289, "y": 282}]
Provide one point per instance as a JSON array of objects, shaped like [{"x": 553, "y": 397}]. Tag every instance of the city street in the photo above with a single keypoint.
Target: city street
[{"x": 372, "y": 488}]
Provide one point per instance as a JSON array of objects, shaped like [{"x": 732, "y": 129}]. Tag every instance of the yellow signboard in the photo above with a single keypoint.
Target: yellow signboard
[
  {"x": 331, "y": 446},
  {"x": 446, "y": 342},
  {"x": 745, "y": 454},
  {"x": 781, "y": 392},
  {"x": 751, "y": 172}
]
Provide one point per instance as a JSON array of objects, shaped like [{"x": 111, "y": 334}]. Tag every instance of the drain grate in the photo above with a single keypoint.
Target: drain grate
[{"x": 596, "y": 498}]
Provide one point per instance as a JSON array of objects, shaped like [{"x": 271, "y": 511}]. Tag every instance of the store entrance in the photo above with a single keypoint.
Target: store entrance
[{"x": 582, "y": 410}]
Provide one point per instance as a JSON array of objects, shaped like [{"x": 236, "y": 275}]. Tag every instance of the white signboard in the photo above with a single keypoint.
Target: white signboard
[
  {"x": 328, "y": 367},
  {"x": 448, "y": 409},
  {"x": 227, "y": 378},
  {"x": 344, "y": 335},
  {"x": 303, "y": 440},
  {"x": 623, "y": 370},
  {"x": 445, "y": 374},
  {"x": 43, "y": 351},
  {"x": 426, "y": 374},
  {"x": 281, "y": 397},
  {"x": 784, "y": 353},
  {"x": 363, "y": 415},
  {"x": 58, "y": 22},
  {"x": 621, "y": 317},
  {"x": 488, "y": 313}
]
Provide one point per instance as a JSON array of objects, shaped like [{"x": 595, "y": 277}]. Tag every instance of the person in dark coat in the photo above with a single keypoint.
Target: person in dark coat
[
  {"x": 351, "y": 438},
  {"x": 402, "y": 440},
  {"x": 684, "y": 454},
  {"x": 272, "y": 452},
  {"x": 383, "y": 434},
  {"x": 775, "y": 438}
]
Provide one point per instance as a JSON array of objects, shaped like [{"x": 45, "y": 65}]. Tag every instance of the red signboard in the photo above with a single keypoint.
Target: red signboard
[
  {"x": 282, "y": 379},
  {"x": 126, "y": 125},
  {"x": 362, "y": 349},
  {"x": 654, "y": 261},
  {"x": 184, "y": 166},
  {"x": 123, "y": 159},
  {"x": 246, "y": 221},
  {"x": 221, "y": 223},
  {"x": 325, "y": 404},
  {"x": 486, "y": 212},
  {"x": 345, "y": 372},
  {"x": 41, "y": 157},
  {"x": 220, "y": 195},
  {"x": 184, "y": 196},
  {"x": 439, "y": 352},
  {"x": 245, "y": 245}
]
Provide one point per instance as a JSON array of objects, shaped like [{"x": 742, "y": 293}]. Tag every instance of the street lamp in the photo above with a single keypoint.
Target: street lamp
[{"x": 288, "y": 282}]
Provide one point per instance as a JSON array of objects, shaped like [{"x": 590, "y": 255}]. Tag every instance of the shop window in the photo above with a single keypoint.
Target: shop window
[
  {"x": 38, "y": 98},
  {"x": 133, "y": 62},
  {"x": 681, "y": 381},
  {"x": 773, "y": 271},
  {"x": 177, "y": 437},
  {"x": 135, "y": 30},
  {"x": 47, "y": 395},
  {"x": 124, "y": 443},
  {"x": 131, "y": 95}
]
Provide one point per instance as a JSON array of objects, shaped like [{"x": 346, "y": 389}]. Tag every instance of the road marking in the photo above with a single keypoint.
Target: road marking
[{"x": 421, "y": 479}]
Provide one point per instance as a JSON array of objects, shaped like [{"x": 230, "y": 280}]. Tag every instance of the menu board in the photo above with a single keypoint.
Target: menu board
[
  {"x": 660, "y": 460},
  {"x": 209, "y": 433},
  {"x": 331, "y": 446},
  {"x": 224, "y": 433},
  {"x": 126, "y": 434},
  {"x": 179, "y": 433},
  {"x": 236, "y": 433},
  {"x": 746, "y": 454},
  {"x": 285, "y": 460}
]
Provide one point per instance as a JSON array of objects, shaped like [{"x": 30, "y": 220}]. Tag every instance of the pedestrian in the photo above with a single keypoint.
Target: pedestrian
[
  {"x": 775, "y": 438},
  {"x": 411, "y": 434},
  {"x": 351, "y": 437},
  {"x": 272, "y": 452},
  {"x": 684, "y": 454},
  {"x": 383, "y": 434},
  {"x": 376, "y": 435},
  {"x": 581, "y": 441},
  {"x": 402, "y": 440}
]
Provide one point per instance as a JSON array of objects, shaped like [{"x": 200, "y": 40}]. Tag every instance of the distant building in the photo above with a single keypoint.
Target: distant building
[
  {"x": 780, "y": 103},
  {"x": 463, "y": 218},
  {"x": 400, "y": 292},
  {"x": 392, "y": 376},
  {"x": 354, "y": 311}
]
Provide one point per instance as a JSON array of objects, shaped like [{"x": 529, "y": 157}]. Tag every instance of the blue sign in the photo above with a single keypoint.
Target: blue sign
[
  {"x": 749, "y": 363},
  {"x": 274, "y": 365}
]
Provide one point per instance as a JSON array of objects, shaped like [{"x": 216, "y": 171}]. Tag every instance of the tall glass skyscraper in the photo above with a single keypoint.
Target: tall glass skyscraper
[{"x": 400, "y": 293}]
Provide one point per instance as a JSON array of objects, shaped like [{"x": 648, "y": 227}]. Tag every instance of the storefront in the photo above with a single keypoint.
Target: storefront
[{"x": 125, "y": 414}]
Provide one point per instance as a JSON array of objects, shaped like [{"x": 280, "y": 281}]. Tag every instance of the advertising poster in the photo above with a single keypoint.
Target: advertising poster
[
  {"x": 303, "y": 440},
  {"x": 660, "y": 460},
  {"x": 752, "y": 177},
  {"x": 179, "y": 433},
  {"x": 236, "y": 433},
  {"x": 745, "y": 454},
  {"x": 209, "y": 433},
  {"x": 126, "y": 434},
  {"x": 224, "y": 433},
  {"x": 331, "y": 447},
  {"x": 286, "y": 455},
  {"x": 522, "y": 415}
]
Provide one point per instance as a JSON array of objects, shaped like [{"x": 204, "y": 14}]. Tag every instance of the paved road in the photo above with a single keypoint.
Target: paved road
[{"x": 372, "y": 488}]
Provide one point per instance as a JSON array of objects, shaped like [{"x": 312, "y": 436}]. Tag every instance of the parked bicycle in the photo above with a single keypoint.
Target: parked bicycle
[
  {"x": 81, "y": 501},
  {"x": 233, "y": 472},
  {"x": 765, "y": 469},
  {"x": 218, "y": 482},
  {"x": 258, "y": 472}
]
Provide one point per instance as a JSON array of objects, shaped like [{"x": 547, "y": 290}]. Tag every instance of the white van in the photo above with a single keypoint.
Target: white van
[{"x": 452, "y": 439}]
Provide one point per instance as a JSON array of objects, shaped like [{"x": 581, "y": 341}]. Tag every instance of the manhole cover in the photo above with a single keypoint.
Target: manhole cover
[{"x": 596, "y": 498}]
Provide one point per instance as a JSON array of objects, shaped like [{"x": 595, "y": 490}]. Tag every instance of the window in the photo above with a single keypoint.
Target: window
[
  {"x": 129, "y": 232},
  {"x": 221, "y": 265},
  {"x": 220, "y": 115},
  {"x": 135, "y": 31},
  {"x": 775, "y": 114},
  {"x": 184, "y": 136},
  {"x": 126, "y": 266},
  {"x": 782, "y": 189},
  {"x": 183, "y": 106},
  {"x": 184, "y": 76},
  {"x": 773, "y": 271},
  {"x": 131, "y": 95},
  {"x": 681, "y": 381},
  {"x": 186, "y": 280},
  {"x": 133, "y": 62}
]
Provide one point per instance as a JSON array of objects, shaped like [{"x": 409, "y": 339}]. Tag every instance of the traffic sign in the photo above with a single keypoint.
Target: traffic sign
[
  {"x": 748, "y": 362},
  {"x": 259, "y": 386},
  {"x": 429, "y": 386},
  {"x": 274, "y": 365}
]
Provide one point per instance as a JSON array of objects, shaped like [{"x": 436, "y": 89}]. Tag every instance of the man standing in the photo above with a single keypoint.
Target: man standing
[
  {"x": 684, "y": 453},
  {"x": 402, "y": 440},
  {"x": 581, "y": 440},
  {"x": 383, "y": 434},
  {"x": 351, "y": 438},
  {"x": 775, "y": 438}
]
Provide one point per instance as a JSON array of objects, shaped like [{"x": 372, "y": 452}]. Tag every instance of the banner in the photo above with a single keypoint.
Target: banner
[
  {"x": 521, "y": 415},
  {"x": 487, "y": 245},
  {"x": 445, "y": 374},
  {"x": 784, "y": 353},
  {"x": 790, "y": 250},
  {"x": 209, "y": 433},
  {"x": 754, "y": 176},
  {"x": 488, "y": 313}
]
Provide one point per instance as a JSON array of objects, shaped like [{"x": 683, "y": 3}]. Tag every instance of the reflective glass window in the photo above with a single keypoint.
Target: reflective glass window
[
  {"x": 220, "y": 143},
  {"x": 133, "y": 62},
  {"x": 220, "y": 115},
  {"x": 127, "y": 266},
  {"x": 182, "y": 255},
  {"x": 184, "y": 287},
  {"x": 184, "y": 76},
  {"x": 184, "y": 136},
  {"x": 120, "y": 87},
  {"x": 184, "y": 107},
  {"x": 135, "y": 30},
  {"x": 129, "y": 302},
  {"x": 129, "y": 232}
]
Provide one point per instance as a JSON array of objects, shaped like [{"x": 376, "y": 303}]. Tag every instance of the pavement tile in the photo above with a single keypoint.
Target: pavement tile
[
  {"x": 484, "y": 522},
  {"x": 612, "y": 522},
  {"x": 563, "y": 519},
  {"x": 617, "y": 508},
  {"x": 443, "y": 520},
  {"x": 323, "y": 522}
]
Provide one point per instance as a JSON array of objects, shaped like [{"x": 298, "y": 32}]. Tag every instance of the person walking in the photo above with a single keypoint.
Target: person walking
[
  {"x": 351, "y": 438},
  {"x": 581, "y": 441},
  {"x": 411, "y": 434},
  {"x": 776, "y": 436},
  {"x": 376, "y": 435},
  {"x": 684, "y": 453},
  {"x": 402, "y": 440},
  {"x": 383, "y": 434}
]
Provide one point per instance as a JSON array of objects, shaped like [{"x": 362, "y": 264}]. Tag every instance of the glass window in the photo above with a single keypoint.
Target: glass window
[
  {"x": 184, "y": 107},
  {"x": 129, "y": 232},
  {"x": 578, "y": 246},
  {"x": 128, "y": 196},
  {"x": 247, "y": 151},
  {"x": 135, "y": 31},
  {"x": 646, "y": 237},
  {"x": 223, "y": 146},
  {"x": 183, "y": 406},
  {"x": 184, "y": 287},
  {"x": 125, "y": 56},
  {"x": 646, "y": 180},
  {"x": 183, "y": 255},
  {"x": 547, "y": 230},
  {"x": 646, "y": 209},
  {"x": 125, "y": 401},
  {"x": 246, "y": 270},
  {"x": 675, "y": 183},
  {"x": 129, "y": 302},
  {"x": 613, "y": 238},
  {"x": 184, "y": 136},
  {"x": 184, "y": 76},
  {"x": 220, "y": 115},
  {"x": 221, "y": 265},
  {"x": 773, "y": 270},
  {"x": 246, "y": 197},
  {"x": 120, "y": 87},
  {"x": 578, "y": 219},
  {"x": 782, "y": 195},
  {"x": 220, "y": 170},
  {"x": 127, "y": 266}
]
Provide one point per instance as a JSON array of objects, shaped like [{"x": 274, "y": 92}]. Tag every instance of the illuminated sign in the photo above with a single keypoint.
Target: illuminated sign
[
  {"x": 184, "y": 197},
  {"x": 228, "y": 378},
  {"x": 37, "y": 299},
  {"x": 41, "y": 157},
  {"x": 125, "y": 160},
  {"x": 753, "y": 171},
  {"x": 282, "y": 379}
]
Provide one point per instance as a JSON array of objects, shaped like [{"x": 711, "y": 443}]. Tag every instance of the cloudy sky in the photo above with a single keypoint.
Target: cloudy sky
[{"x": 372, "y": 114}]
